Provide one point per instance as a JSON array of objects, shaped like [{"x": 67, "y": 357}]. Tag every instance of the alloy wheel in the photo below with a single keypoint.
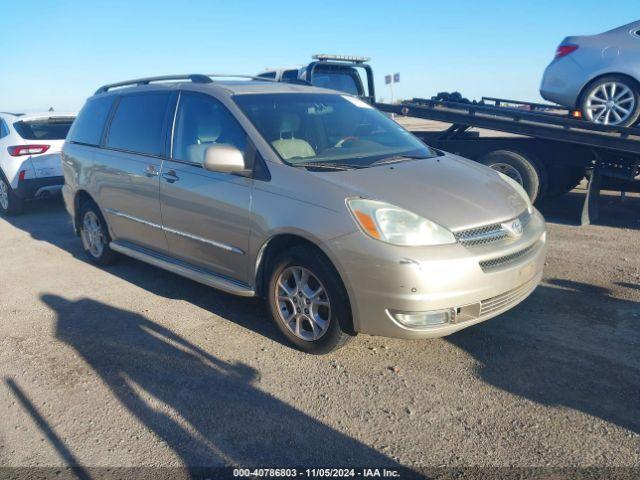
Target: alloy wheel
[
  {"x": 610, "y": 103},
  {"x": 4, "y": 195},
  {"x": 92, "y": 236},
  {"x": 302, "y": 303}
]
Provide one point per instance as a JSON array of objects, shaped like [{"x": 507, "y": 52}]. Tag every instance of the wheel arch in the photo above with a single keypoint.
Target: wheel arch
[
  {"x": 600, "y": 76},
  {"x": 276, "y": 244},
  {"x": 81, "y": 196}
]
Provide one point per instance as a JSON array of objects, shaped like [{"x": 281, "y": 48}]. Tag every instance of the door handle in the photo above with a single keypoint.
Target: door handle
[
  {"x": 170, "y": 176},
  {"x": 150, "y": 171}
]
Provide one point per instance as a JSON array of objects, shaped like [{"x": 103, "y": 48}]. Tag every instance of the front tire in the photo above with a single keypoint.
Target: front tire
[
  {"x": 10, "y": 203},
  {"x": 308, "y": 301},
  {"x": 612, "y": 100},
  {"x": 94, "y": 235}
]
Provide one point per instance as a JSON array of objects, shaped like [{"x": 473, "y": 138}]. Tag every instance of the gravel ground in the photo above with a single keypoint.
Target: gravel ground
[{"x": 133, "y": 366}]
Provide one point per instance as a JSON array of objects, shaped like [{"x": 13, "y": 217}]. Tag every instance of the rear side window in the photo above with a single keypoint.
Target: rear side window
[
  {"x": 138, "y": 122},
  {"x": 89, "y": 125},
  {"x": 44, "y": 129}
]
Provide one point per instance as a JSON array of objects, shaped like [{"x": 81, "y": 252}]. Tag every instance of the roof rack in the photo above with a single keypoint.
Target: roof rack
[
  {"x": 194, "y": 77},
  {"x": 12, "y": 113}
]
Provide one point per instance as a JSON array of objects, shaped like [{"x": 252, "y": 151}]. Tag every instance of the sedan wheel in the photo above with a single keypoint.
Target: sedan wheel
[{"x": 611, "y": 101}]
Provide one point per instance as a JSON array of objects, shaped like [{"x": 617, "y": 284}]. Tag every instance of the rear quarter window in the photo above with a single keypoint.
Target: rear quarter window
[
  {"x": 138, "y": 123},
  {"x": 44, "y": 129},
  {"x": 89, "y": 124}
]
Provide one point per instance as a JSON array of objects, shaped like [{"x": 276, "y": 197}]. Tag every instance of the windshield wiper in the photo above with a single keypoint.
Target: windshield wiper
[
  {"x": 396, "y": 159},
  {"x": 326, "y": 165}
]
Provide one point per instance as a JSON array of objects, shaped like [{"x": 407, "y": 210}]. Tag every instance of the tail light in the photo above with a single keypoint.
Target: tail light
[
  {"x": 565, "y": 49},
  {"x": 21, "y": 150}
]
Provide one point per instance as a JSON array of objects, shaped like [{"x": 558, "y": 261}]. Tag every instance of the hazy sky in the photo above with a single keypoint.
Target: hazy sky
[{"x": 56, "y": 53}]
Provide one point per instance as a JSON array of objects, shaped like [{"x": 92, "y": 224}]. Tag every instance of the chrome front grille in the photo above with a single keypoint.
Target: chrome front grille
[
  {"x": 506, "y": 259},
  {"x": 485, "y": 234},
  {"x": 507, "y": 299},
  {"x": 481, "y": 235}
]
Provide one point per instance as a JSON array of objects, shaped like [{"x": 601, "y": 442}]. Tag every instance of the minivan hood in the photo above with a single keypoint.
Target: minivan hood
[{"x": 449, "y": 190}]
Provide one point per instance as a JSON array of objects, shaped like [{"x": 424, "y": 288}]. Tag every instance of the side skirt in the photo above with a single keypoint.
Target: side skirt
[{"x": 183, "y": 269}]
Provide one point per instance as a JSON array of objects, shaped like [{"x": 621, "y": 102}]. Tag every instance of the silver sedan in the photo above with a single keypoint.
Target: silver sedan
[{"x": 598, "y": 75}]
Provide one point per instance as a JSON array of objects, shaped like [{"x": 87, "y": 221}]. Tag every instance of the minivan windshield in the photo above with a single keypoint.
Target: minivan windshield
[{"x": 324, "y": 129}]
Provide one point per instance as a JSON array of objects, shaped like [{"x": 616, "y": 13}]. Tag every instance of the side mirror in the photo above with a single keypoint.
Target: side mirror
[{"x": 224, "y": 159}]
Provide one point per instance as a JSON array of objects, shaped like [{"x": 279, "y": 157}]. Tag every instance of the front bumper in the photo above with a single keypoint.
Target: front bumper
[
  {"x": 39, "y": 187},
  {"x": 382, "y": 278}
]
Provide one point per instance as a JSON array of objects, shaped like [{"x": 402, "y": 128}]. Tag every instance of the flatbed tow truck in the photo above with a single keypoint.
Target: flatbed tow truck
[{"x": 544, "y": 148}]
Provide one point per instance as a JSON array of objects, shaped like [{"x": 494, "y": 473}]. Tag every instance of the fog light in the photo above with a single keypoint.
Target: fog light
[{"x": 423, "y": 319}]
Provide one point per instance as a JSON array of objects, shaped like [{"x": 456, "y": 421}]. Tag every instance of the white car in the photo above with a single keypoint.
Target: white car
[{"x": 30, "y": 165}]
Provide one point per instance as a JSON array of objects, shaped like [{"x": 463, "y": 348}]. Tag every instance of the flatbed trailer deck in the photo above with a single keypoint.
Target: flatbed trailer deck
[
  {"x": 547, "y": 150},
  {"x": 543, "y": 147}
]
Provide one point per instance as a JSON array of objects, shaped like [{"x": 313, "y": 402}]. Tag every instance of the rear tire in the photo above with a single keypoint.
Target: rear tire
[
  {"x": 515, "y": 165},
  {"x": 10, "y": 203},
  {"x": 312, "y": 323},
  {"x": 94, "y": 235},
  {"x": 622, "y": 109}
]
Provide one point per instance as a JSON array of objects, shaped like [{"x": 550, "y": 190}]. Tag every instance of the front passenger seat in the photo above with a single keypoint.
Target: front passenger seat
[
  {"x": 287, "y": 145},
  {"x": 208, "y": 130}
]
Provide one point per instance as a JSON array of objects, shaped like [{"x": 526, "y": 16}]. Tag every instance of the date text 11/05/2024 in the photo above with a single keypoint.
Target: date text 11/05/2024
[{"x": 316, "y": 472}]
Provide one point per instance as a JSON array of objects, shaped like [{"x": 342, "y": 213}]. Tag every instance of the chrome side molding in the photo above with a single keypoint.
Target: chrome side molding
[
  {"x": 183, "y": 269},
  {"x": 223, "y": 246}
]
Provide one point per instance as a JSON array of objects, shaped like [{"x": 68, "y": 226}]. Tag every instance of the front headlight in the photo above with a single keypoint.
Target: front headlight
[
  {"x": 518, "y": 188},
  {"x": 395, "y": 225}
]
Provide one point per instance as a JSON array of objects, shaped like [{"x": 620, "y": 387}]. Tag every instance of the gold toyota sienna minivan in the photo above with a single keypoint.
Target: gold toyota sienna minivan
[{"x": 312, "y": 199}]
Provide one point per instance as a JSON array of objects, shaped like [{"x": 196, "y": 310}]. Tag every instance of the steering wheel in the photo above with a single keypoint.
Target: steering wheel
[{"x": 344, "y": 140}]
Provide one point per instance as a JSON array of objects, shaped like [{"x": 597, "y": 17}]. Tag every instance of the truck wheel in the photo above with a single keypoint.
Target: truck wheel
[
  {"x": 10, "y": 203},
  {"x": 307, "y": 301},
  {"x": 563, "y": 179},
  {"x": 612, "y": 100},
  {"x": 515, "y": 165}
]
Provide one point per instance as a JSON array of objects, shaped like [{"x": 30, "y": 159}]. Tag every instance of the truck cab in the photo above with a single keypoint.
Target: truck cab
[{"x": 344, "y": 73}]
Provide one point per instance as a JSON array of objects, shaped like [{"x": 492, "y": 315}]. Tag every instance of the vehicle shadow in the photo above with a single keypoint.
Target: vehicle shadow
[
  {"x": 49, "y": 222},
  {"x": 632, "y": 286},
  {"x": 584, "y": 356},
  {"x": 614, "y": 210},
  {"x": 208, "y": 411}
]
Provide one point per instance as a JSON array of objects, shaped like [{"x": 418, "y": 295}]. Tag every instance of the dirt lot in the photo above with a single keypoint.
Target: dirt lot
[{"x": 131, "y": 366}]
